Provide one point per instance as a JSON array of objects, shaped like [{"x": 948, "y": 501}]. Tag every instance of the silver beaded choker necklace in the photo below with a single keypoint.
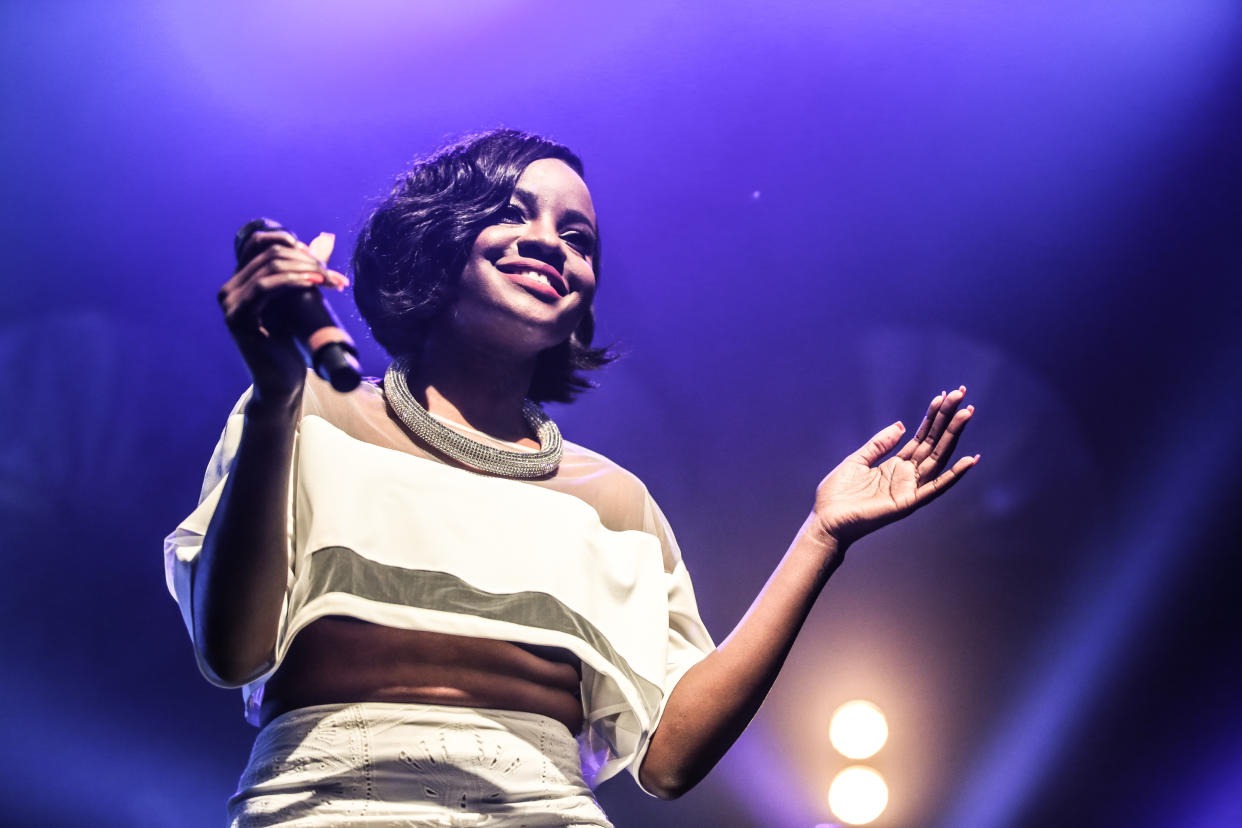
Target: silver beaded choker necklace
[{"x": 456, "y": 446}]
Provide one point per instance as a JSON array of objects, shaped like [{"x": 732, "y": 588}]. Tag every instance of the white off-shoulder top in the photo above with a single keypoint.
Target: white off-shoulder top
[{"x": 382, "y": 530}]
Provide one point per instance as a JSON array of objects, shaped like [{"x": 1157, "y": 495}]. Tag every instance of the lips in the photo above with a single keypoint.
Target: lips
[{"x": 537, "y": 275}]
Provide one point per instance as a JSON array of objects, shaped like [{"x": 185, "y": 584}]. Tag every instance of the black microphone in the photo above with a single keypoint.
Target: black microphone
[{"x": 304, "y": 315}]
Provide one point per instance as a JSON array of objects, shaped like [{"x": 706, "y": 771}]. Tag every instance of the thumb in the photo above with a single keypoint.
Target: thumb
[{"x": 881, "y": 444}]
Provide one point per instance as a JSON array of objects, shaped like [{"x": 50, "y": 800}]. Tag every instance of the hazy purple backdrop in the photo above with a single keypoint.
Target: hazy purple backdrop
[{"x": 815, "y": 216}]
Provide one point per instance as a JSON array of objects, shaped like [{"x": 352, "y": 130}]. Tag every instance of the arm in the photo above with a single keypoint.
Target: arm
[
  {"x": 715, "y": 700},
  {"x": 238, "y": 580}
]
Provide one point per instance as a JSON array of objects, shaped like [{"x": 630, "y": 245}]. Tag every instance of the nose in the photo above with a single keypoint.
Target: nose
[{"x": 541, "y": 241}]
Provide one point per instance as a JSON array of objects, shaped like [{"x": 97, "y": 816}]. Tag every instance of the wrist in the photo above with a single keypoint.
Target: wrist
[
  {"x": 828, "y": 544},
  {"x": 273, "y": 408}
]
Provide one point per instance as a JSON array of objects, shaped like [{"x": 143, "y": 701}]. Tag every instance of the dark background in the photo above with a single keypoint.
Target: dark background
[{"x": 815, "y": 216}]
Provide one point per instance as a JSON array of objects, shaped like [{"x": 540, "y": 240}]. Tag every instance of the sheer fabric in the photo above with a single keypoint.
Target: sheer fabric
[{"x": 382, "y": 530}]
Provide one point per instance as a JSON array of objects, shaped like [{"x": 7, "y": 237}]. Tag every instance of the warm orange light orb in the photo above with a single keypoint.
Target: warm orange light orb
[
  {"x": 858, "y": 729},
  {"x": 858, "y": 795}
]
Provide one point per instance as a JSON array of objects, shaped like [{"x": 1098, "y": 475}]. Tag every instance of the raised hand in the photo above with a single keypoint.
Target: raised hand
[
  {"x": 275, "y": 365},
  {"x": 862, "y": 493}
]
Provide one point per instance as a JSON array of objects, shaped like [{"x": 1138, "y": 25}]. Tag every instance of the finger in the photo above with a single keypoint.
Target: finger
[
  {"x": 274, "y": 259},
  {"x": 315, "y": 253},
  {"x": 256, "y": 264},
  {"x": 284, "y": 281},
  {"x": 266, "y": 238},
  {"x": 935, "y": 488},
  {"x": 291, "y": 261},
  {"x": 934, "y": 462},
  {"x": 244, "y": 305},
  {"x": 881, "y": 444},
  {"x": 908, "y": 449},
  {"x": 320, "y": 253},
  {"x": 944, "y": 414},
  {"x": 291, "y": 254}
]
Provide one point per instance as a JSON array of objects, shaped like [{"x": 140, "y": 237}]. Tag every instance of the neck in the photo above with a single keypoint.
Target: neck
[{"x": 474, "y": 387}]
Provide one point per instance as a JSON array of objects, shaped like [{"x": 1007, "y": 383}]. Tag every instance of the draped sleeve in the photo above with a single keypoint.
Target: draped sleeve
[{"x": 381, "y": 530}]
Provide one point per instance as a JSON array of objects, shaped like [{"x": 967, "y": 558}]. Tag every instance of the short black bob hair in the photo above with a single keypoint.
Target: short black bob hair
[{"x": 412, "y": 249}]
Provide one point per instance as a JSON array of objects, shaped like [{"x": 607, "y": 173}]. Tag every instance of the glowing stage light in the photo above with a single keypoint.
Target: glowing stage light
[
  {"x": 858, "y": 729},
  {"x": 858, "y": 795}
]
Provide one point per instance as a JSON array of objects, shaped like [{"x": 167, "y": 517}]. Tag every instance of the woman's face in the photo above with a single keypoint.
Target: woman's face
[{"x": 530, "y": 277}]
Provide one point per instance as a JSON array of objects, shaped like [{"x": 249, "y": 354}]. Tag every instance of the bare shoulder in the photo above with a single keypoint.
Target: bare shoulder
[
  {"x": 580, "y": 461},
  {"x": 618, "y": 495},
  {"x": 321, "y": 399}
]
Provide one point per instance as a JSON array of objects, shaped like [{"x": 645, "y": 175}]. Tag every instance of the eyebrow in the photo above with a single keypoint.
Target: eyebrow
[{"x": 528, "y": 199}]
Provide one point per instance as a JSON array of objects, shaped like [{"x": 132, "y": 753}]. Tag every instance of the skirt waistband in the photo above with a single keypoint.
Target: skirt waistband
[
  {"x": 375, "y": 763},
  {"x": 426, "y": 713}
]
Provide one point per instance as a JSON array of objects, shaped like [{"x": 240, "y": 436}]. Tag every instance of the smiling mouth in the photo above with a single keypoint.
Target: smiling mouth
[{"x": 540, "y": 277}]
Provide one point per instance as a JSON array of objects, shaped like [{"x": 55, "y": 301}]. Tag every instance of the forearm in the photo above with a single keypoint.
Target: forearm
[
  {"x": 712, "y": 704},
  {"x": 238, "y": 582}
]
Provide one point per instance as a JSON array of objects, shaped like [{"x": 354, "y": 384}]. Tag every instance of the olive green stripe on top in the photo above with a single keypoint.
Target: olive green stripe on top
[{"x": 340, "y": 569}]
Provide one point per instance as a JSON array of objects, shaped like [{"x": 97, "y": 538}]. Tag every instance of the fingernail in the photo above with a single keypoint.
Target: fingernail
[
  {"x": 971, "y": 409},
  {"x": 901, "y": 425}
]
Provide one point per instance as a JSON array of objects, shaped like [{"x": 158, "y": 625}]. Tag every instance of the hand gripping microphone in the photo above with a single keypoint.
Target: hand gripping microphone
[{"x": 304, "y": 315}]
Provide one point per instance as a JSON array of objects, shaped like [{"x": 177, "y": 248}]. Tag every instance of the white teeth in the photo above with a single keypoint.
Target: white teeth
[{"x": 534, "y": 274}]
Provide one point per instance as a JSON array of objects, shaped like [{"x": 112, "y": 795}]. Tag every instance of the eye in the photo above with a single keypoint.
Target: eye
[
  {"x": 512, "y": 214},
  {"x": 581, "y": 241}
]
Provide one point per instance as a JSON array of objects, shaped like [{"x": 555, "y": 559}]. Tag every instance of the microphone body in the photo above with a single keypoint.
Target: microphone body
[{"x": 304, "y": 315}]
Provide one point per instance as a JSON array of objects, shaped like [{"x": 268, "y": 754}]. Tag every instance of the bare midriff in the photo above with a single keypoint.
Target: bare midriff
[{"x": 338, "y": 660}]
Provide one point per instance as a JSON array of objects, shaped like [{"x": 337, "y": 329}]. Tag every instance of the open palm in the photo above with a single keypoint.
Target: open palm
[{"x": 862, "y": 493}]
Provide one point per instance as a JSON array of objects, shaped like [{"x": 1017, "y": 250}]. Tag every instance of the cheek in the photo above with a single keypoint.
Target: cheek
[
  {"x": 491, "y": 242},
  {"x": 471, "y": 280},
  {"x": 488, "y": 246},
  {"x": 587, "y": 294},
  {"x": 584, "y": 279}
]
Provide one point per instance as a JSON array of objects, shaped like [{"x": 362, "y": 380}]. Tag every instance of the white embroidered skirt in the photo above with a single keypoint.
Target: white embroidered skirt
[{"x": 374, "y": 764}]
